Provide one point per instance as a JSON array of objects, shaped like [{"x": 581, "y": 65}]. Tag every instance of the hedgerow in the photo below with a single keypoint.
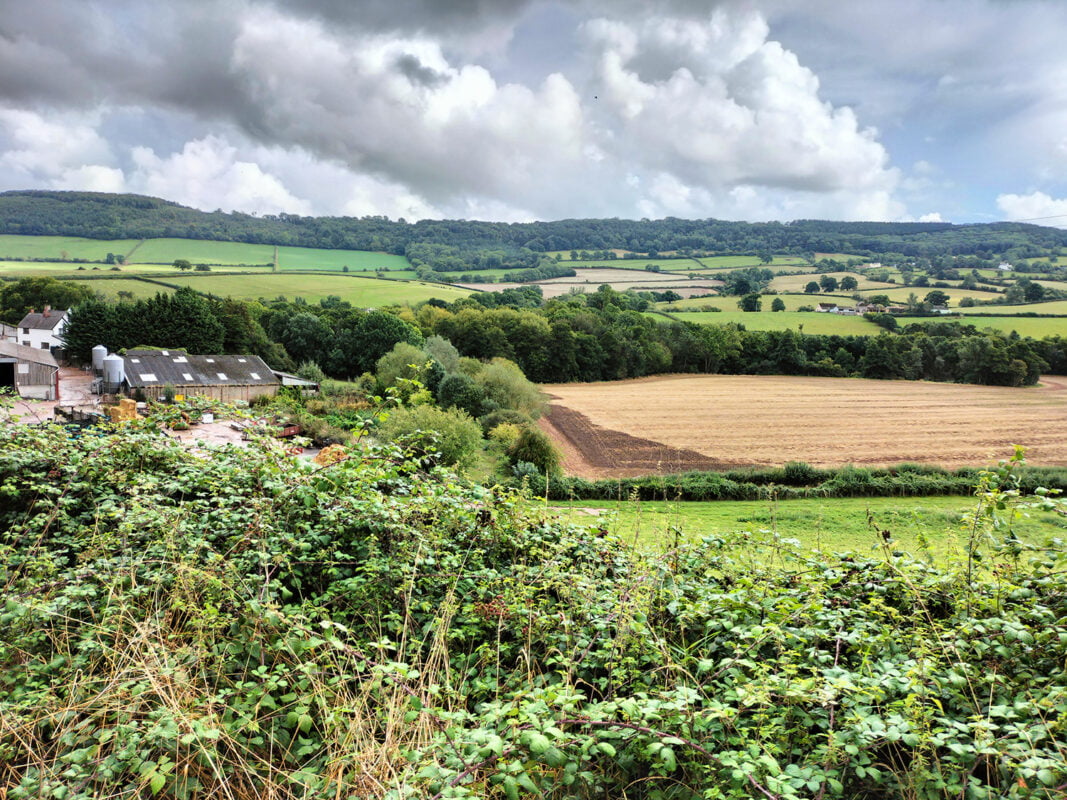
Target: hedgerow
[{"x": 238, "y": 623}]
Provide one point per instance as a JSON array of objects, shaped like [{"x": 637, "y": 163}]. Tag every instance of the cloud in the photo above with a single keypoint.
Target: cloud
[
  {"x": 1036, "y": 206},
  {"x": 399, "y": 107}
]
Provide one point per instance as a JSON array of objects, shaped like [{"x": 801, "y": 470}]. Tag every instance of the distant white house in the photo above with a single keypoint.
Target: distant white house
[
  {"x": 1004, "y": 266},
  {"x": 41, "y": 330}
]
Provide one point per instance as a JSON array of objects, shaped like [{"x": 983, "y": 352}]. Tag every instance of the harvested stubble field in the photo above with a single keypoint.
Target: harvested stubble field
[{"x": 675, "y": 423}]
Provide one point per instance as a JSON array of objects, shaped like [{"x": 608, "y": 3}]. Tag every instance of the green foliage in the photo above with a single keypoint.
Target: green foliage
[
  {"x": 249, "y": 625},
  {"x": 17, "y": 298},
  {"x": 450, "y": 436},
  {"x": 534, "y": 446}
]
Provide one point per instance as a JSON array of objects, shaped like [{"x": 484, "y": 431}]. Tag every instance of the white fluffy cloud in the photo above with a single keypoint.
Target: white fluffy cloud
[{"x": 1036, "y": 206}]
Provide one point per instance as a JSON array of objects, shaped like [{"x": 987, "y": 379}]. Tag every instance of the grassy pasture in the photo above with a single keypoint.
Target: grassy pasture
[
  {"x": 139, "y": 289},
  {"x": 829, "y": 525},
  {"x": 314, "y": 287},
  {"x": 53, "y": 247},
  {"x": 899, "y": 294},
  {"x": 628, "y": 263},
  {"x": 1058, "y": 307},
  {"x": 67, "y": 270},
  {"x": 1036, "y": 327},
  {"x": 814, "y": 323},
  {"x": 796, "y": 283},
  {"x": 792, "y": 302}
]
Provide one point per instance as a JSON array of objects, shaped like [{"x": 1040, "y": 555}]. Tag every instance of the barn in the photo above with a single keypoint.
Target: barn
[
  {"x": 31, "y": 372},
  {"x": 151, "y": 373}
]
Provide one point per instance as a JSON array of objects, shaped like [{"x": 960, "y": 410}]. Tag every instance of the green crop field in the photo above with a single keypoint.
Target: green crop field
[
  {"x": 829, "y": 525},
  {"x": 54, "y": 247},
  {"x": 1036, "y": 327},
  {"x": 314, "y": 287},
  {"x": 805, "y": 321}
]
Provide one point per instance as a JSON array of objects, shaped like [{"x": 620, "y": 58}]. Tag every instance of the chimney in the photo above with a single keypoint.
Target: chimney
[{"x": 46, "y": 311}]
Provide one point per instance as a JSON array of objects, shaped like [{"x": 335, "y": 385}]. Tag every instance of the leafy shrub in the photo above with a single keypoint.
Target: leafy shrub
[
  {"x": 452, "y": 434},
  {"x": 535, "y": 446}
]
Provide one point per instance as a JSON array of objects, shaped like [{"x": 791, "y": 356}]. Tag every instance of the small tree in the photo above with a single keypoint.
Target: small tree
[
  {"x": 811, "y": 288},
  {"x": 777, "y": 304},
  {"x": 750, "y": 302},
  {"x": 183, "y": 264},
  {"x": 937, "y": 298},
  {"x": 849, "y": 283},
  {"x": 535, "y": 447},
  {"x": 828, "y": 283}
]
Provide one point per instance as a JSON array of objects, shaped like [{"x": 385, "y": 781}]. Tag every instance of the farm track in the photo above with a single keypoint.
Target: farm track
[{"x": 678, "y": 422}]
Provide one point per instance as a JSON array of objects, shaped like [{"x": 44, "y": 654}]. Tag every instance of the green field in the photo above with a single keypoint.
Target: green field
[
  {"x": 139, "y": 289},
  {"x": 804, "y": 321},
  {"x": 366, "y": 292},
  {"x": 796, "y": 283},
  {"x": 900, "y": 294},
  {"x": 829, "y": 525},
  {"x": 1036, "y": 327},
  {"x": 638, "y": 264},
  {"x": 739, "y": 262},
  {"x": 65, "y": 269},
  {"x": 54, "y": 247},
  {"x": 725, "y": 303}
]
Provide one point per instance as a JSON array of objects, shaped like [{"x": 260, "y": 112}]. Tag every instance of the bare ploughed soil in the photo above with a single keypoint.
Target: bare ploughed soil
[{"x": 680, "y": 422}]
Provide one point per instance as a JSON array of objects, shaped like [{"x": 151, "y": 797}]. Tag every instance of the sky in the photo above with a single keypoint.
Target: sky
[{"x": 515, "y": 110}]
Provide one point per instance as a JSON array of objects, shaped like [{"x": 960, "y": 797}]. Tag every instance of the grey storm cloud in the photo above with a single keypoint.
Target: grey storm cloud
[{"x": 686, "y": 107}]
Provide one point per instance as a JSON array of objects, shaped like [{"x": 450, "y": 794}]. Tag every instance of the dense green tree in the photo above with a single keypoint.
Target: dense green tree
[
  {"x": 778, "y": 304},
  {"x": 18, "y": 298},
  {"x": 812, "y": 287},
  {"x": 848, "y": 283},
  {"x": 750, "y": 302},
  {"x": 828, "y": 283}
]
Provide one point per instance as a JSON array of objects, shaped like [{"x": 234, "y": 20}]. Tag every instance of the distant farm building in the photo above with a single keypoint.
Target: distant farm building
[
  {"x": 31, "y": 372},
  {"x": 152, "y": 373},
  {"x": 42, "y": 330}
]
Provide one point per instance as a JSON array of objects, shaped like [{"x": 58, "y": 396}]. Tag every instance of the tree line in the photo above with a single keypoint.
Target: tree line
[{"x": 109, "y": 216}]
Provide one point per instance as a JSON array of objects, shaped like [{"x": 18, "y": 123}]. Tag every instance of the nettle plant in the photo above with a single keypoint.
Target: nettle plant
[{"x": 239, "y": 623}]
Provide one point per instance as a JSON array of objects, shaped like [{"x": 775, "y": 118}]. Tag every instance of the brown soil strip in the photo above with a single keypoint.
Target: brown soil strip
[{"x": 592, "y": 451}]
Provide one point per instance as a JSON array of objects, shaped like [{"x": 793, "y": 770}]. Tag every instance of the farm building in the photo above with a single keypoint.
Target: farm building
[
  {"x": 9, "y": 333},
  {"x": 227, "y": 378},
  {"x": 30, "y": 371},
  {"x": 42, "y": 330}
]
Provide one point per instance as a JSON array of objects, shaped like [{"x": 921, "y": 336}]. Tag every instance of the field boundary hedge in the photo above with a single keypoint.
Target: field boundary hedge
[{"x": 794, "y": 481}]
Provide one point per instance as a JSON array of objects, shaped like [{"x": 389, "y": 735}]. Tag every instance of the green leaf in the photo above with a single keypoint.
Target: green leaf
[
  {"x": 1046, "y": 777},
  {"x": 156, "y": 782},
  {"x": 511, "y": 788}
]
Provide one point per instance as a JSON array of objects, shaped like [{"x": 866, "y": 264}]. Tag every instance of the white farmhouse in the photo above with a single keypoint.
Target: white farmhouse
[{"x": 41, "y": 330}]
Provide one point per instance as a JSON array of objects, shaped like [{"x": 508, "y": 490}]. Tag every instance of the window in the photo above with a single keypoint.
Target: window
[
  {"x": 148, "y": 377},
  {"x": 24, "y": 369},
  {"x": 187, "y": 377},
  {"x": 255, "y": 375},
  {"x": 44, "y": 345},
  {"x": 222, "y": 376},
  {"x": 181, "y": 360},
  {"x": 26, "y": 331}
]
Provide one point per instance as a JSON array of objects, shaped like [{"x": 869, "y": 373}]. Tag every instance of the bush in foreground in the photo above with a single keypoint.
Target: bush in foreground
[{"x": 247, "y": 625}]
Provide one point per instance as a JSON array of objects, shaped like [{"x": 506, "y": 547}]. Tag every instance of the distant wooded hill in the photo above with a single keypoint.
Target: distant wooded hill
[{"x": 126, "y": 216}]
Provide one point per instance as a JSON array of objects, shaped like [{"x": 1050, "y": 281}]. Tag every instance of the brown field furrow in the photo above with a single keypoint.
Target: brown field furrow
[{"x": 676, "y": 422}]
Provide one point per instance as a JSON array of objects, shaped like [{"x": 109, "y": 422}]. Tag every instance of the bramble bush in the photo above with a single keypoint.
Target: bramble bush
[{"x": 242, "y": 624}]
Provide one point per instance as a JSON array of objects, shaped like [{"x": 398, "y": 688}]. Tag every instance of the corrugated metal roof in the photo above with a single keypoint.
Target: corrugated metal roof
[
  {"x": 24, "y": 353},
  {"x": 155, "y": 368},
  {"x": 39, "y": 321}
]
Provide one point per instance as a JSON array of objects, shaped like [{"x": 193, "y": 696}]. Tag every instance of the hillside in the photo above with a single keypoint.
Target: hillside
[{"x": 107, "y": 216}]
